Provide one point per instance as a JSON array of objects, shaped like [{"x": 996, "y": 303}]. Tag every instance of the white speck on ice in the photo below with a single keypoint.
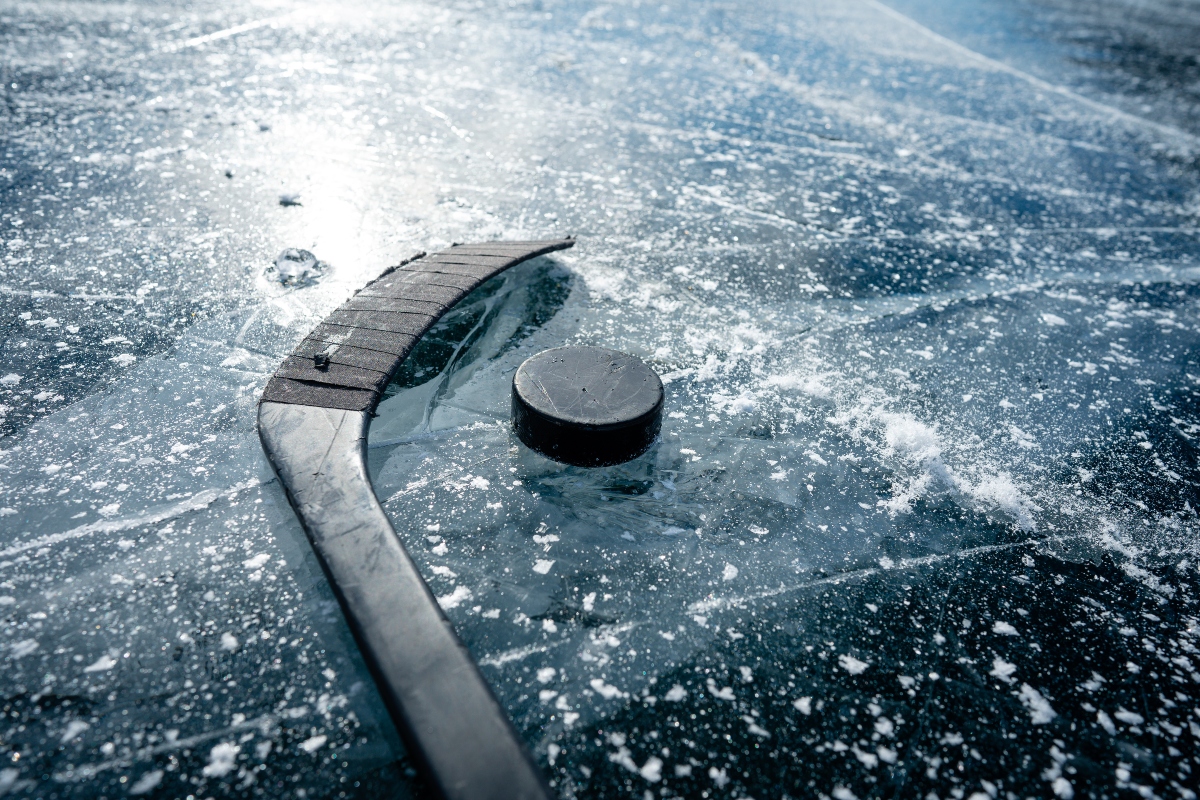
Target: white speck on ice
[
  {"x": 480, "y": 483},
  {"x": 605, "y": 690},
  {"x": 755, "y": 728},
  {"x": 724, "y": 693},
  {"x": 1002, "y": 669},
  {"x": 74, "y": 728},
  {"x": 744, "y": 404},
  {"x": 869, "y": 760},
  {"x": 257, "y": 561},
  {"x": 542, "y": 566},
  {"x": 1004, "y": 629},
  {"x": 11, "y": 379},
  {"x": 124, "y": 359},
  {"x": 729, "y": 573},
  {"x": 1053, "y": 319},
  {"x": 455, "y": 599},
  {"x": 803, "y": 705},
  {"x": 110, "y": 510},
  {"x": 104, "y": 662},
  {"x": 1129, "y": 717},
  {"x": 842, "y": 793},
  {"x": 1106, "y": 722},
  {"x": 229, "y": 641},
  {"x": 852, "y": 664},
  {"x": 652, "y": 770},
  {"x": 1040, "y": 712},
  {"x": 147, "y": 782},
  {"x": 546, "y": 674},
  {"x": 221, "y": 760},
  {"x": 23, "y": 648},
  {"x": 675, "y": 694},
  {"x": 314, "y": 744}
]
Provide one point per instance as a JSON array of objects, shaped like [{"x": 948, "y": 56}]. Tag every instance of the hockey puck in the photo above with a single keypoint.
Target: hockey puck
[{"x": 587, "y": 406}]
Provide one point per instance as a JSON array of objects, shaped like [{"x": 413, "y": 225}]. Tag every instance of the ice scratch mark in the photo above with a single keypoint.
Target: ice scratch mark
[
  {"x": 215, "y": 36},
  {"x": 1045, "y": 86},
  {"x": 197, "y": 502}
]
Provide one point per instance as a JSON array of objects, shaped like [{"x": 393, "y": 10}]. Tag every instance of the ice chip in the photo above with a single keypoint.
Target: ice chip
[{"x": 295, "y": 267}]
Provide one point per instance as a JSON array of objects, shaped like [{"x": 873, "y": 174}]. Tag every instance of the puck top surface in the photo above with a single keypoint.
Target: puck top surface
[{"x": 588, "y": 387}]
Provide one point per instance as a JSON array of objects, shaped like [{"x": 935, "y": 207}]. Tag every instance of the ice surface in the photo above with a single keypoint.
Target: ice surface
[{"x": 921, "y": 283}]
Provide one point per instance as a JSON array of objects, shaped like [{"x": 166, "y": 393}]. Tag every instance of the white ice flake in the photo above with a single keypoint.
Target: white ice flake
[
  {"x": 1002, "y": 669},
  {"x": 1053, "y": 319},
  {"x": 745, "y": 403},
  {"x": 1040, "y": 711},
  {"x": 542, "y": 566},
  {"x": 1004, "y": 629},
  {"x": 1063, "y": 788},
  {"x": 675, "y": 694},
  {"x": 852, "y": 665},
  {"x": 147, "y": 783},
  {"x": 101, "y": 664},
  {"x": 23, "y": 648},
  {"x": 803, "y": 705},
  {"x": 221, "y": 760},
  {"x": 754, "y": 728},
  {"x": 869, "y": 760},
  {"x": 455, "y": 599},
  {"x": 652, "y": 769},
  {"x": 722, "y": 693},
  {"x": 73, "y": 729},
  {"x": 1129, "y": 717},
  {"x": 229, "y": 642},
  {"x": 729, "y": 573},
  {"x": 257, "y": 561},
  {"x": 605, "y": 690},
  {"x": 314, "y": 743}
]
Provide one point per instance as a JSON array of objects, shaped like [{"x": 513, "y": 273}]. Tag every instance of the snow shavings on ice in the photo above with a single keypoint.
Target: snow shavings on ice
[
  {"x": 1040, "y": 711},
  {"x": 460, "y": 595},
  {"x": 222, "y": 760},
  {"x": 852, "y": 665}
]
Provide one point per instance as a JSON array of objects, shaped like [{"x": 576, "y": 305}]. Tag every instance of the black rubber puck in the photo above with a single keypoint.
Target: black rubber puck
[{"x": 587, "y": 406}]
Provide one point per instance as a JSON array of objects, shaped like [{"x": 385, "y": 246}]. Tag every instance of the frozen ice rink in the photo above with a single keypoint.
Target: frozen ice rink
[{"x": 920, "y": 279}]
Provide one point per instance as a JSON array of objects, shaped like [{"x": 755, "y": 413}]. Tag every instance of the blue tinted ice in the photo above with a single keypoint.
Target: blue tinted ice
[{"x": 920, "y": 282}]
